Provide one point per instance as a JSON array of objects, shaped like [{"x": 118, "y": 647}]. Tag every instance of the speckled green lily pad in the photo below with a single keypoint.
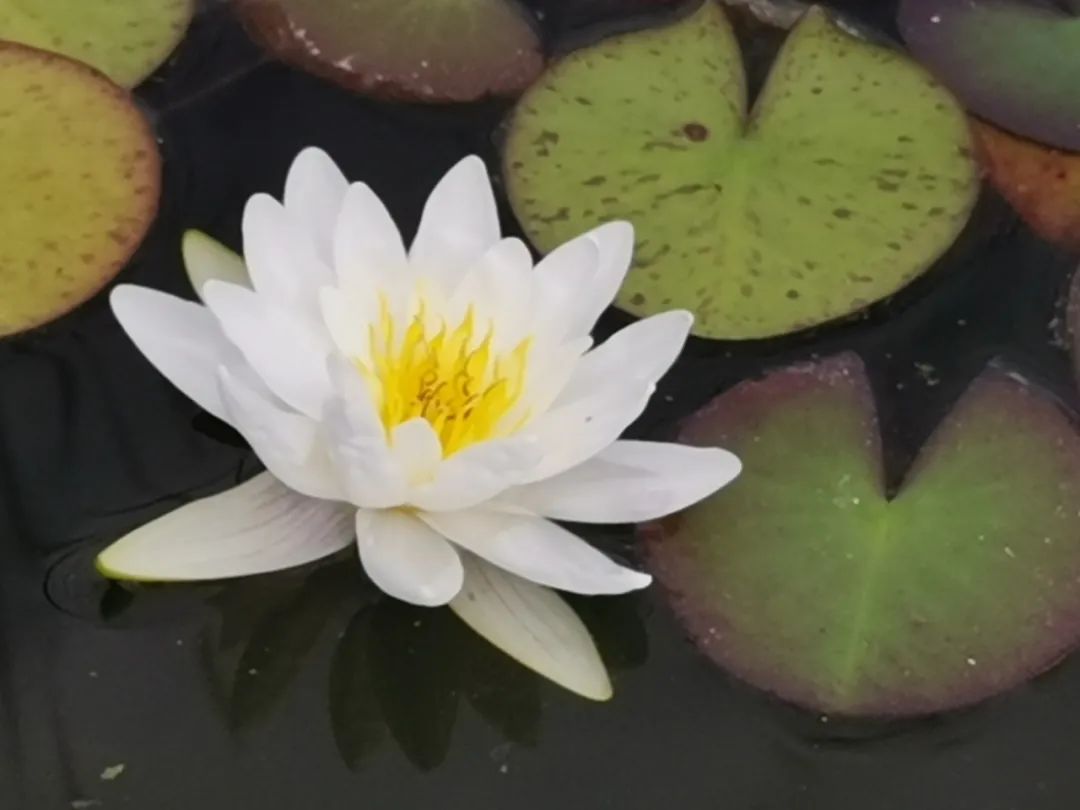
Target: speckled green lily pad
[
  {"x": 804, "y": 578},
  {"x": 1014, "y": 62},
  {"x": 124, "y": 39},
  {"x": 452, "y": 50},
  {"x": 848, "y": 178},
  {"x": 80, "y": 171}
]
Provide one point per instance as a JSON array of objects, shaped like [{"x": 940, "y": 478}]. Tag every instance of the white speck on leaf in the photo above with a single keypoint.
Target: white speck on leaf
[{"x": 112, "y": 771}]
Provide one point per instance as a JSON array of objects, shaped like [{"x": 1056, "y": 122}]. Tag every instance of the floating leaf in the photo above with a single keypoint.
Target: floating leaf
[
  {"x": 804, "y": 578},
  {"x": 1043, "y": 184},
  {"x": 456, "y": 50},
  {"x": 81, "y": 175},
  {"x": 124, "y": 39},
  {"x": 849, "y": 178},
  {"x": 1014, "y": 63},
  {"x": 532, "y": 625}
]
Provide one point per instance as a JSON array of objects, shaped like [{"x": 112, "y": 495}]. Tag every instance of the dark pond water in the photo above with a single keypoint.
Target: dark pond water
[{"x": 306, "y": 689}]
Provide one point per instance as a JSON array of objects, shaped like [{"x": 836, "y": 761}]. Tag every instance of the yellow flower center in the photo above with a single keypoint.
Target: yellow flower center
[{"x": 449, "y": 375}]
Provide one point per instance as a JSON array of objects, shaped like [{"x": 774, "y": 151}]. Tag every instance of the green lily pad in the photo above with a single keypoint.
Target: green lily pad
[
  {"x": 453, "y": 50},
  {"x": 80, "y": 170},
  {"x": 125, "y": 39},
  {"x": 1014, "y": 63},
  {"x": 805, "y": 578},
  {"x": 849, "y": 177}
]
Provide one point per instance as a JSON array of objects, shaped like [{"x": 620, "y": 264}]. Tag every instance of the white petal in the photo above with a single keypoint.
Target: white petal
[
  {"x": 500, "y": 287},
  {"x": 615, "y": 242},
  {"x": 370, "y": 474},
  {"x": 367, "y": 244},
  {"x": 180, "y": 338},
  {"x": 356, "y": 405},
  {"x": 346, "y": 324},
  {"x": 642, "y": 353},
  {"x": 562, "y": 278},
  {"x": 406, "y": 559},
  {"x": 537, "y": 550},
  {"x": 314, "y": 189},
  {"x": 258, "y": 526},
  {"x": 206, "y": 258},
  {"x": 629, "y": 482},
  {"x": 578, "y": 430},
  {"x": 282, "y": 257},
  {"x": 478, "y": 473},
  {"x": 284, "y": 352},
  {"x": 288, "y": 443},
  {"x": 416, "y": 449},
  {"x": 532, "y": 625},
  {"x": 460, "y": 222}
]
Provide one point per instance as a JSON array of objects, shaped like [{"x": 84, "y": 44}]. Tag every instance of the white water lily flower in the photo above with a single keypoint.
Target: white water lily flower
[{"x": 439, "y": 406}]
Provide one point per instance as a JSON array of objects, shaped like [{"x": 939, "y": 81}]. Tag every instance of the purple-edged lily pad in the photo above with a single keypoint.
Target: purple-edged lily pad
[
  {"x": 807, "y": 579},
  {"x": 1014, "y": 62},
  {"x": 454, "y": 50}
]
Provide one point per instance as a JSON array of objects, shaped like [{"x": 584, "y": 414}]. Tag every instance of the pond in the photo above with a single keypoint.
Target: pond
[{"x": 309, "y": 687}]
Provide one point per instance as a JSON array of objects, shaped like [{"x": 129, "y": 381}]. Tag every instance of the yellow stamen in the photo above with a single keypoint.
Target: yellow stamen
[{"x": 454, "y": 378}]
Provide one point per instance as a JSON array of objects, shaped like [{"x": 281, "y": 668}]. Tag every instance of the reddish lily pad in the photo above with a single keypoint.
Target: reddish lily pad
[
  {"x": 80, "y": 170},
  {"x": 848, "y": 179},
  {"x": 124, "y": 39},
  {"x": 1014, "y": 62},
  {"x": 1041, "y": 183},
  {"x": 454, "y": 50},
  {"x": 805, "y": 578}
]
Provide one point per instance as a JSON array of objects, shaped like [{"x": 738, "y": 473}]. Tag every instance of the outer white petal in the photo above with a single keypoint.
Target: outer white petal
[
  {"x": 281, "y": 349},
  {"x": 629, "y": 482},
  {"x": 314, "y": 189},
  {"x": 282, "y": 257},
  {"x": 576, "y": 431},
  {"x": 206, "y": 258},
  {"x": 258, "y": 526},
  {"x": 533, "y": 626},
  {"x": 460, "y": 222},
  {"x": 640, "y": 353},
  {"x": 180, "y": 338},
  {"x": 478, "y": 473},
  {"x": 406, "y": 559},
  {"x": 615, "y": 242},
  {"x": 367, "y": 244},
  {"x": 288, "y": 443},
  {"x": 537, "y": 550}
]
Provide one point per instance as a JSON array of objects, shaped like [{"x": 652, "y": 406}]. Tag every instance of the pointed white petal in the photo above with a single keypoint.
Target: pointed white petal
[
  {"x": 356, "y": 406},
  {"x": 532, "y": 625},
  {"x": 206, "y": 258},
  {"x": 406, "y": 559},
  {"x": 314, "y": 189},
  {"x": 180, "y": 338},
  {"x": 460, "y": 222},
  {"x": 641, "y": 353},
  {"x": 281, "y": 349},
  {"x": 367, "y": 244},
  {"x": 366, "y": 467},
  {"x": 288, "y": 443},
  {"x": 256, "y": 527},
  {"x": 346, "y": 324},
  {"x": 281, "y": 256},
  {"x": 615, "y": 243},
  {"x": 537, "y": 550},
  {"x": 576, "y": 431},
  {"x": 629, "y": 482}
]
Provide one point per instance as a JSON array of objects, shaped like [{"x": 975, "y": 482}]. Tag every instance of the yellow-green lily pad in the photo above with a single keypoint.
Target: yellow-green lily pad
[
  {"x": 125, "y": 39},
  {"x": 810, "y": 580},
  {"x": 848, "y": 178},
  {"x": 80, "y": 170}
]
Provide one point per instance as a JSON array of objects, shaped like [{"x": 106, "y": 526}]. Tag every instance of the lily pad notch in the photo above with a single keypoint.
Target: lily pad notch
[
  {"x": 81, "y": 173},
  {"x": 850, "y": 176},
  {"x": 805, "y": 580}
]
